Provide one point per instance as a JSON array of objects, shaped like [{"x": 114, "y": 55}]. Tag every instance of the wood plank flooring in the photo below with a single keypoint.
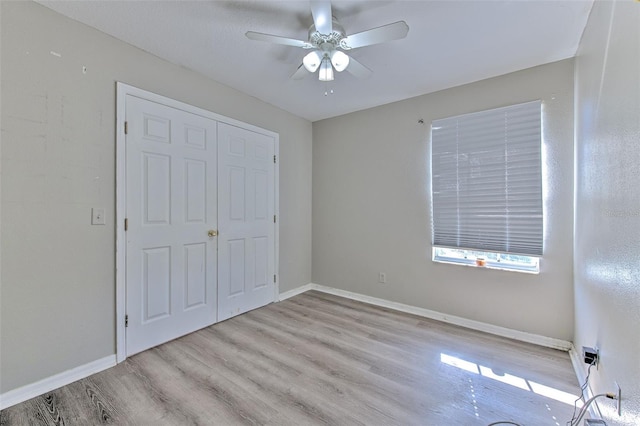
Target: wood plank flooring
[{"x": 318, "y": 359}]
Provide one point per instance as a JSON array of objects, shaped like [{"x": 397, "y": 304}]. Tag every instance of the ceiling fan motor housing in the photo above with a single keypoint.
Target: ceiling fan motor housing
[{"x": 327, "y": 42}]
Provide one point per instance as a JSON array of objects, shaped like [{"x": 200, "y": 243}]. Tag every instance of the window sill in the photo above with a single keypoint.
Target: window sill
[{"x": 488, "y": 265}]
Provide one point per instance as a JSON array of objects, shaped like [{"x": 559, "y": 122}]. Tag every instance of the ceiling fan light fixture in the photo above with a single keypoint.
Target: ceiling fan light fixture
[
  {"x": 326, "y": 70},
  {"x": 326, "y": 37},
  {"x": 339, "y": 60},
  {"x": 312, "y": 61}
]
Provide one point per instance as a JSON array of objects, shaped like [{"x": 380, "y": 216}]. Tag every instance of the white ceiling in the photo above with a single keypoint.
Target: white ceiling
[{"x": 449, "y": 43}]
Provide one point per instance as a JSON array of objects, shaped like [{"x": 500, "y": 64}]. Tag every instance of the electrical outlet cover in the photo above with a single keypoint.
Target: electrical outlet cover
[{"x": 97, "y": 217}]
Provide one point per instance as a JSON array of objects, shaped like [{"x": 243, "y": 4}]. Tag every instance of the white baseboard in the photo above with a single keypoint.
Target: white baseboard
[
  {"x": 296, "y": 291},
  {"x": 427, "y": 313},
  {"x": 43, "y": 386}
]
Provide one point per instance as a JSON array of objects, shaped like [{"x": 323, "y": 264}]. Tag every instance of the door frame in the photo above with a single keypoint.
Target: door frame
[{"x": 122, "y": 91}]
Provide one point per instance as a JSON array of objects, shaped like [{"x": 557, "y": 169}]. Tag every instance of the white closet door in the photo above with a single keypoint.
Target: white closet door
[
  {"x": 246, "y": 256},
  {"x": 171, "y": 205}
]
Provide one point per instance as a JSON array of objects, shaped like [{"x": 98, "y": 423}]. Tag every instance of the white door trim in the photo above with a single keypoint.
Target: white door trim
[{"x": 122, "y": 91}]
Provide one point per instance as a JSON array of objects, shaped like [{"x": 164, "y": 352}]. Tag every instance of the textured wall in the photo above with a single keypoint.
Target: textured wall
[
  {"x": 58, "y": 161},
  {"x": 371, "y": 207},
  {"x": 607, "y": 221}
]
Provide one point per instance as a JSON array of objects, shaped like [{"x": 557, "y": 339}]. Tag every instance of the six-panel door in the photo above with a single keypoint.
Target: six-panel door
[
  {"x": 246, "y": 245},
  {"x": 171, "y": 205}
]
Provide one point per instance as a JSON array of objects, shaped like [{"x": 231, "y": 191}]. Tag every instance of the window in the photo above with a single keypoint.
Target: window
[{"x": 487, "y": 188}]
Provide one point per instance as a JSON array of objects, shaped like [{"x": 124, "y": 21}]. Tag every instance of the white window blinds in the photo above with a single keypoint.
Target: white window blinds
[{"x": 487, "y": 180}]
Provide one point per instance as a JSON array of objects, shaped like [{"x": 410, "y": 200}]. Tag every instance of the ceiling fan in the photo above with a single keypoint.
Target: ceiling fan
[{"x": 328, "y": 41}]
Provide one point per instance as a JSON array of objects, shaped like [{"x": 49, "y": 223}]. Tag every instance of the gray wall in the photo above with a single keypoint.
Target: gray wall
[
  {"x": 371, "y": 207},
  {"x": 58, "y": 161},
  {"x": 607, "y": 221}
]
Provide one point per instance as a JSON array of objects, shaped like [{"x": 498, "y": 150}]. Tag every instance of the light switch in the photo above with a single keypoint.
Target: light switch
[{"x": 97, "y": 217}]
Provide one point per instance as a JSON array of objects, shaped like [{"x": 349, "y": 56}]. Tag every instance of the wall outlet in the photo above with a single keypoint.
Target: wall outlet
[
  {"x": 382, "y": 277},
  {"x": 97, "y": 217},
  {"x": 590, "y": 355}
]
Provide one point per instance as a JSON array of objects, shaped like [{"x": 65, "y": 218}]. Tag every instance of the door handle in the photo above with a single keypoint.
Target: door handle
[{"x": 212, "y": 233}]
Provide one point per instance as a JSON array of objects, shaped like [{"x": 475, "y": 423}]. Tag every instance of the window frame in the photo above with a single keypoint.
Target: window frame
[{"x": 457, "y": 141}]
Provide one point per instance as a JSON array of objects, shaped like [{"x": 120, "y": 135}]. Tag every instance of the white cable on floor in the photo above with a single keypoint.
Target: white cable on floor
[{"x": 586, "y": 405}]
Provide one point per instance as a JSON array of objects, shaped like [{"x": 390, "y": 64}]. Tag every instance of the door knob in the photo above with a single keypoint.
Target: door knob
[{"x": 212, "y": 233}]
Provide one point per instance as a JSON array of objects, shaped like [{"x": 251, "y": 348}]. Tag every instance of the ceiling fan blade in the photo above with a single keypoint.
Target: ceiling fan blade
[
  {"x": 300, "y": 73},
  {"x": 277, "y": 39},
  {"x": 322, "y": 18},
  {"x": 389, "y": 32},
  {"x": 357, "y": 69}
]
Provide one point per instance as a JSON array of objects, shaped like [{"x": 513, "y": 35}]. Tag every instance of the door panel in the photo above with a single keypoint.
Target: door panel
[
  {"x": 237, "y": 256},
  {"x": 236, "y": 194},
  {"x": 194, "y": 275},
  {"x": 171, "y": 204},
  {"x": 261, "y": 262},
  {"x": 261, "y": 185},
  {"x": 156, "y": 283},
  {"x": 157, "y": 189},
  {"x": 246, "y": 219},
  {"x": 195, "y": 189}
]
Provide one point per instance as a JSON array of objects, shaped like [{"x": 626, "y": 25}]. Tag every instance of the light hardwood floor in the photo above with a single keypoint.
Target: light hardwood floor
[{"x": 320, "y": 359}]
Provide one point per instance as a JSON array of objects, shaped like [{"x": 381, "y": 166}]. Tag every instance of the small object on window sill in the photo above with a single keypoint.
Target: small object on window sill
[{"x": 481, "y": 262}]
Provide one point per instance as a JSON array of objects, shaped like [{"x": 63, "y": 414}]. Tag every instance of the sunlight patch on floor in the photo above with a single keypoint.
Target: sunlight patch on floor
[{"x": 518, "y": 382}]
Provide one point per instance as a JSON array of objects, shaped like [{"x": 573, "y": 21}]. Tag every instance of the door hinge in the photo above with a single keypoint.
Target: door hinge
[
  {"x": 274, "y": 158},
  {"x": 126, "y": 127},
  {"x": 126, "y": 224},
  {"x": 274, "y": 218},
  {"x": 126, "y": 320},
  {"x": 274, "y": 278}
]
